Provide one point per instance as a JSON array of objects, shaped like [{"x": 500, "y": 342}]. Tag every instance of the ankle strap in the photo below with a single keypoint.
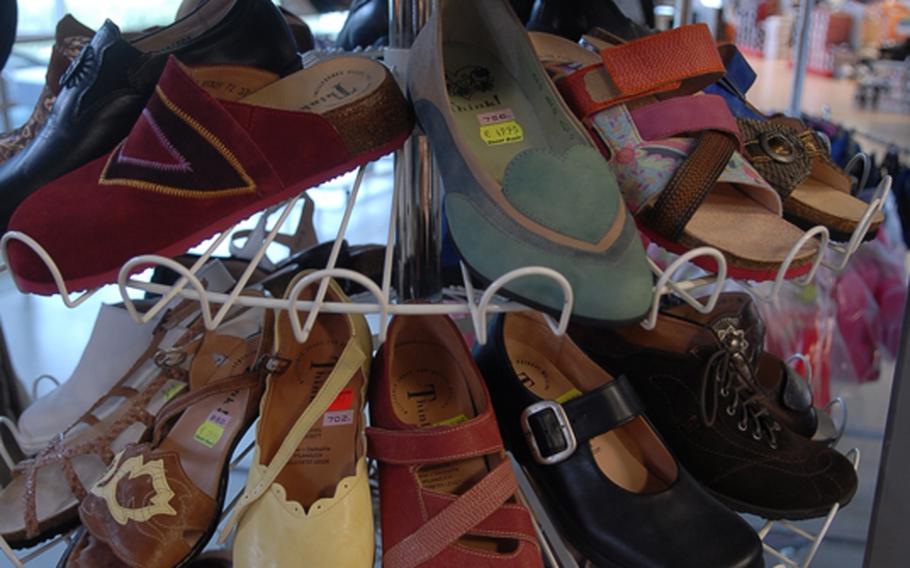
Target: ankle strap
[{"x": 349, "y": 363}]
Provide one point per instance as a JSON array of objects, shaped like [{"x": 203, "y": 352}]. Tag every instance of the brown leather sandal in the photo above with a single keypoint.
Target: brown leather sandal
[
  {"x": 42, "y": 499},
  {"x": 159, "y": 503}
]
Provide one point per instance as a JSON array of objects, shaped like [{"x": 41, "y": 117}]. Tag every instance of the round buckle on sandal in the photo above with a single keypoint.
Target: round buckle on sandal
[
  {"x": 778, "y": 146},
  {"x": 170, "y": 358}
]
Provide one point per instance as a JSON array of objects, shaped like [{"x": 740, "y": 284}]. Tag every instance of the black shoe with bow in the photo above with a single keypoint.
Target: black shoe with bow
[
  {"x": 608, "y": 481},
  {"x": 695, "y": 375}
]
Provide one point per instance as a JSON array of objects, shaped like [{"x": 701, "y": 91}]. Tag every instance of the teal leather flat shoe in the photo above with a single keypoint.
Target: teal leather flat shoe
[{"x": 524, "y": 185}]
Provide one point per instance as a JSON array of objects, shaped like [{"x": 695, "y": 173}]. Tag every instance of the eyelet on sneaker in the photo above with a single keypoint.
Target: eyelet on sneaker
[
  {"x": 756, "y": 436},
  {"x": 730, "y": 410},
  {"x": 724, "y": 391},
  {"x": 743, "y": 426}
]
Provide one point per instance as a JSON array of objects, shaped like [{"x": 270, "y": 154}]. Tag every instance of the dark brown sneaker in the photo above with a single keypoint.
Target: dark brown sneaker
[{"x": 696, "y": 376}]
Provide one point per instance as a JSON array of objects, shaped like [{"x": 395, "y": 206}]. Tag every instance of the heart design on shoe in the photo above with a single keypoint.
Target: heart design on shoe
[{"x": 574, "y": 194}]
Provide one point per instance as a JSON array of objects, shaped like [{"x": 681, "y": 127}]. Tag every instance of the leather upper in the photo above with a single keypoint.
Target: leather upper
[
  {"x": 696, "y": 386},
  {"x": 106, "y": 87},
  {"x": 407, "y": 507},
  {"x": 606, "y": 522}
]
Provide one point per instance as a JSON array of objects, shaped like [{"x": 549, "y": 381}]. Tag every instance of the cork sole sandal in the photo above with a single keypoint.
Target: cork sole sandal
[
  {"x": 677, "y": 157},
  {"x": 793, "y": 158}
]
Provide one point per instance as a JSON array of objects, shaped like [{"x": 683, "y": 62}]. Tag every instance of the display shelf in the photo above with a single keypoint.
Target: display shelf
[
  {"x": 814, "y": 539},
  {"x": 669, "y": 280}
]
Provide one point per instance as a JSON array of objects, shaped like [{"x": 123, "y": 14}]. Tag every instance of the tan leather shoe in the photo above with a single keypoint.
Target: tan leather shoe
[
  {"x": 307, "y": 495},
  {"x": 159, "y": 502}
]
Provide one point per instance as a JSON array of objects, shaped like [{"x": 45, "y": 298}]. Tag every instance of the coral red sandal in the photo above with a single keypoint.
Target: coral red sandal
[
  {"x": 199, "y": 160},
  {"x": 676, "y": 157}
]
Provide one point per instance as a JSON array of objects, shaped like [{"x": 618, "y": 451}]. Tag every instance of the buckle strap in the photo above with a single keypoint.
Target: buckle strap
[
  {"x": 476, "y": 437},
  {"x": 778, "y": 153},
  {"x": 677, "y": 62},
  {"x": 553, "y": 431},
  {"x": 456, "y": 520},
  {"x": 603, "y": 409},
  {"x": 349, "y": 363}
]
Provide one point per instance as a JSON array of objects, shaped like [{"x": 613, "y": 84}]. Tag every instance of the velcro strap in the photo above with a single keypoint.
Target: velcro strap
[
  {"x": 664, "y": 61},
  {"x": 456, "y": 520},
  {"x": 682, "y": 115},
  {"x": 681, "y": 61},
  {"x": 691, "y": 183},
  {"x": 603, "y": 409},
  {"x": 476, "y": 437}
]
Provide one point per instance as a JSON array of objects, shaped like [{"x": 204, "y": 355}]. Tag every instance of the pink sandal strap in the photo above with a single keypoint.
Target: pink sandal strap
[{"x": 684, "y": 115}]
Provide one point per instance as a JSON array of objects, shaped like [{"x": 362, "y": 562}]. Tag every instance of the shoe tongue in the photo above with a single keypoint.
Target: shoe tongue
[{"x": 734, "y": 322}]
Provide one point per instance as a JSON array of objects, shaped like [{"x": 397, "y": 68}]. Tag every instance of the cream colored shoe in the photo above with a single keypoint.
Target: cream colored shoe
[{"x": 307, "y": 498}]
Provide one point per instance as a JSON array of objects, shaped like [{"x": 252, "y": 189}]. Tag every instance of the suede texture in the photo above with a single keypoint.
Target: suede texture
[
  {"x": 91, "y": 228},
  {"x": 797, "y": 479}
]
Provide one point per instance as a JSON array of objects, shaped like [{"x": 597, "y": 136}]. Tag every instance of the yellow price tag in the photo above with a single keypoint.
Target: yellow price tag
[
  {"x": 506, "y": 132},
  {"x": 171, "y": 389},
  {"x": 452, "y": 421},
  {"x": 568, "y": 395},
  {"x": 208, "y": 434}
]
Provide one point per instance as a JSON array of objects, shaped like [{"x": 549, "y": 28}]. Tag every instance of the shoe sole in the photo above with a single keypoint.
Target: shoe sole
[
  {"x": 708, "y": 263},
  {"x": 777, "y": 514},
  {"x": 485, "y": 281},
  {"x": 90, "y": 282}
]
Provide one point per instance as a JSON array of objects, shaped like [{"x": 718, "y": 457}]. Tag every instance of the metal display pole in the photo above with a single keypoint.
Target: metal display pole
[
  {"x": 418, "y": 239},
  {"x": 683, "y": 13},
  {"x": 887, "y": 545},
  {"x": 803, "y": 26}
]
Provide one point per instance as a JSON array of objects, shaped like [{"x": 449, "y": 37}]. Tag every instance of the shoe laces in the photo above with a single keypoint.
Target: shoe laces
[{"x": 727, "y": 376}]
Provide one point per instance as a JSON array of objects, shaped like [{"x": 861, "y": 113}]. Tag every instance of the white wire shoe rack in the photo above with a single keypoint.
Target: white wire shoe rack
[{"x": 477, "y": 304}]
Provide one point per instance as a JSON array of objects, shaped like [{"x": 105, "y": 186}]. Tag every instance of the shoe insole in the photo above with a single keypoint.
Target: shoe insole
[
  {"x": 231, "y": 82},
  {"x": 323, "y": 87},
  {"x": 429, "y": 389},
  {"x": 328, "y": 453},
  {"x": 492, "y": 113},
  {"x": 830, "y": 202},
  {"x": 744, "y": 230},
  {"x": 617, "y": 452},
  {"x": 204, "y": 435},
  {"x": 728, "y": 219}
]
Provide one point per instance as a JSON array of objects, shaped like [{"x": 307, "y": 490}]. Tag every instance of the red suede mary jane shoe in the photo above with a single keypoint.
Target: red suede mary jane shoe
[{"x": 213, "y": 146}]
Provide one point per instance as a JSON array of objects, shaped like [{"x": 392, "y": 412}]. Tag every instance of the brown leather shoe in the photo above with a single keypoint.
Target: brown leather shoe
[
  {"x": 159, "y": 502},
  {"x": 696, "y": 375},
  {"x": 71, "y": 36}
]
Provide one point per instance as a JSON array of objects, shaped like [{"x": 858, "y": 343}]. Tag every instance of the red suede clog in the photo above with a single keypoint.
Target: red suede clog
[{"x": 213, "y": 146}]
